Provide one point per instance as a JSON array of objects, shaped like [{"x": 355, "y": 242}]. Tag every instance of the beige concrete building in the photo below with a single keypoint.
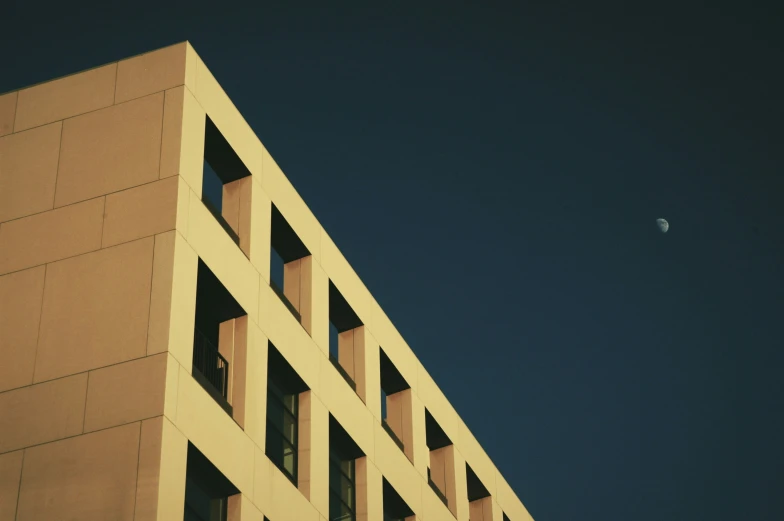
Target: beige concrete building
[{"x": 180, "y": 337}]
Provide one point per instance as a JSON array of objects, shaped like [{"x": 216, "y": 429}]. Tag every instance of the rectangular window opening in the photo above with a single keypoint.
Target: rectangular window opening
[
  {"x": 343, "y": 324},
  {"x": 479, "y": 501},
  {"x": 284, "y": 387},
  {"x": 226, "y": 186},
  {"x": 220, "y": 323},
  {"x": 343, "y": 453},
  {"x": 441, "y": 459},
  {"x": 288, "y": 270},
  {"x": 207, "y": 491},
  {"x": 395, "y": 404},
  {"x": 395, "y": 508}
]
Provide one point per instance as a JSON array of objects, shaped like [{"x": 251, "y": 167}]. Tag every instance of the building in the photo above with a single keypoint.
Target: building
[{"x": 180, "y": 337}]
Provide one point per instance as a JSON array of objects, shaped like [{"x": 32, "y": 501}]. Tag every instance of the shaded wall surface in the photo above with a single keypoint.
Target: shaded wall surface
[{"x": 102, "y": 229}]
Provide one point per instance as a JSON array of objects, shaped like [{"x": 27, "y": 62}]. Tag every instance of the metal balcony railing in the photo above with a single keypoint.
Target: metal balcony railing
[{"x": 211, "y": 367}]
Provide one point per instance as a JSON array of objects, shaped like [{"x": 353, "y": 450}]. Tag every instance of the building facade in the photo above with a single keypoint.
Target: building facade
[{"x": 180, "y": 337}]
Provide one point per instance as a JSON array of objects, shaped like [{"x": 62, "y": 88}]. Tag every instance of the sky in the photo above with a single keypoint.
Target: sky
[{"x": 494, "y": 174}]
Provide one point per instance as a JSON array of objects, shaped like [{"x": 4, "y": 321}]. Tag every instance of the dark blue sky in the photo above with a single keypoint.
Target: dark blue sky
[{"x": 494, "y": 176}]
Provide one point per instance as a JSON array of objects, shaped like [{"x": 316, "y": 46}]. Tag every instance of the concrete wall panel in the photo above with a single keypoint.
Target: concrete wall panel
[
  {"x": 191, "y": 65},
  {"x": 236, "y": 209},
  {"x": 51, "y": 236},
  {"x": 370, "y": 491},
  {"x": 28, "y": 171},
  {"x": 433, "y": 509},
  {"x": 256, "y": 390},
  {"x": 227, "y": 118},
  {"x": 171, "y": 137},
  {"x": 458, "y": 471},
  {"x": 314, "y": 451},
  {"x": 247, "y": 510},
  {"x": 95, "y": 310},
  {"x": 319, "y": 307},
  {"x": 498, "y": 514},
  {"x": 10, "y": 474},
  {"x": 7, "y": 112},
  {"x": 223, "y": 256},
  {"x": 260, "y": 233},
  {"x": 65, "y": 97},
  {"x": 509, "y": 502},
  {"x": 481, "y": 509},
  {"x": 140, "y": 212},
  {"x": 126, "y": 392},
  {"x": 42, "y": 413},
  {"x": 110, "y": 150},
  {"x": 245, "y": 210},
  {"x": 183, "y": 206},
  {"x": 419, "y": 431},
  {"x": 435, "y": 402},
  {"x": 476, "y": 457},
  {"x": 372, "y": 372},
  {"x": 148, "y": 477},
  {"x": 161, "y": 293},
  {"x": 394, "y": 345},
  {"x": 21, "y": 297},
  {"x": 172, "y": 387},
  {"x": 171, "y": 479},
  {"x": 394, "y": 465},
  {"x": 192, "y": 147},
  {"x": 183, "y": 302},
  {"x": 346, "y": 407},
  {"x": 150, "y": 72},
  {"x": 277, "y": 497},
  {"x": 291, "y": 205},
  {"x": 214, "y": 433},
  {"x": 289, "y": 337},
  {"x": 345, "y": 279},
  {"x": 101, "y": 470}
]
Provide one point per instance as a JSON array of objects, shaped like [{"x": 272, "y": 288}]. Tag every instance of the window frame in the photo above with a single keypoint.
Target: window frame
[
  {"x": 336, "y": 461},
  {"x": 276, "y": 394}
]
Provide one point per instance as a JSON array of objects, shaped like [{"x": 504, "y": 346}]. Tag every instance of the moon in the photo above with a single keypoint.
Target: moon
[{"x": 663, "y": 225}]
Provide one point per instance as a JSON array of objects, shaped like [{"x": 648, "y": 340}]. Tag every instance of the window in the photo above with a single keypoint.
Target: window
[
  {"x": 342, "y": 488},
  {"x": 290, "y": 269},
  {"x": 282, "y": 432},
  {"x": 442, "y": 458},
  {"x": 396, "y": 405},
  {"x": 284, "y": 387},
  {"x": 395, "y": 509},
  {"x": 480, "y": 505},
  {"x": 219, "y": 343},
  {"x": 343, "y": 453},
  {"x": 346, "y": 337},
  {"x": 226, "y": 186},
  {"x": 207, "y": 491}
]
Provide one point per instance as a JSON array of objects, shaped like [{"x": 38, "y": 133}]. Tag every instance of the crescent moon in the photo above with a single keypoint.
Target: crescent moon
[{"x": 663, "y": 225}]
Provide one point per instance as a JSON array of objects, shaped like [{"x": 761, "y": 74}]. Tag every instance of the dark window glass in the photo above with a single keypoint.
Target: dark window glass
[
  {"x": 342, "y": 486},
  {"x": 201, "y": 506},
  {"x": 282, "y": 420}
]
